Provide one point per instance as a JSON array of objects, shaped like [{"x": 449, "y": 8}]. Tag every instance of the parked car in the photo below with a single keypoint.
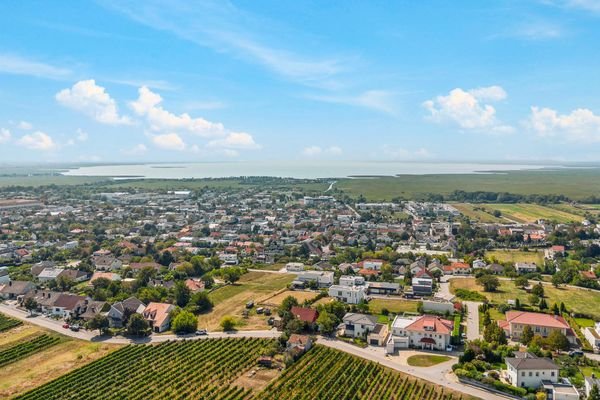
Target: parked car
[
  {"x": 260, "y": 310},
  {"x": 267, "y": 311},
  {"x": 449, "y": 348},
  {"x": 574, "y": 353},
  {"x": 201, "y": 332},
  {"x": 66, "y": 326},
  {"x": 75, "y": 328},
  {"x": 250, "y": 304}
]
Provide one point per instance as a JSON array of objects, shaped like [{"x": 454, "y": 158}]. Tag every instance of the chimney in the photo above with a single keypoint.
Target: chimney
[{"x": 9, "y": 283}]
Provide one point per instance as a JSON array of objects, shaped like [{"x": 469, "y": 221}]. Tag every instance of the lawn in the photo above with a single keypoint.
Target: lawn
[
  {"x": 232, "y": 299},
  {"x": 396, "y": 306},
  {"x": 426, "y": 360},
  {"x": 527, "y": 213},
  {"x": 477, "y": 212},
  {"x": 584, "y": 322},
  {"x": 579, "y": 300},
  {"x": 276, "y": 300},
  {"x": 514, "y": 256}
]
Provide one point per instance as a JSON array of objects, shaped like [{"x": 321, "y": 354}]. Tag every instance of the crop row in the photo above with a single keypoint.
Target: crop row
[
  {"x": 24, "y": 349},
  {"x": 7, "y": 323},
  {"x": 325, "y": 373},
  {"x": 198, "y": 369}
]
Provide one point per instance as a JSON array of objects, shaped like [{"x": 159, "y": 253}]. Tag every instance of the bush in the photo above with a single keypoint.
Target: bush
[
  {"x": 470, "y": 295},
  {"x": 227, "y": 323},
  {"x": 185, "y": 322}
]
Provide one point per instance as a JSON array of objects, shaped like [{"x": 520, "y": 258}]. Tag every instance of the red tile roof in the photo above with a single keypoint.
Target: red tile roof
[
  {"x": 305, "y": 314},
  {"x": 436, "y": 324},
  {"x": 536, "y": 319}
]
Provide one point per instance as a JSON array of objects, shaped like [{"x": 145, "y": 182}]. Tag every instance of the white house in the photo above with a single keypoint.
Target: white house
[
  {"x": 47, "y": 274},
  {"x": 528, "y": 371},
  {"x": 479, "y": 264},
  {"x": 592, "y": 334},
  {"x": 229, "y": 259},
  {"x": 352, "y": 280},
  {"x": 525, "y": 267},
  {"x": 427, "y": 332},
  {"x": 541, "y": 324},
  {"x": 323, "y": 278},
  {"x": 294, "y": 267},
  {"x": 348, "y": 294},
  {"x": 358, "y": 325},
  {"x": 371, "y": 264}
]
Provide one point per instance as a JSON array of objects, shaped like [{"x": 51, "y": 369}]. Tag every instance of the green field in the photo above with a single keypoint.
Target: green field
[
  {"x": 526, "y": 213},
  {"x": 392, "y": 305},
  {"x": 514, "y": 256},
  {"x": 478, "y": 212},
  {"x": 579, "y": 300},
  {"x": 426, "y": 360}
]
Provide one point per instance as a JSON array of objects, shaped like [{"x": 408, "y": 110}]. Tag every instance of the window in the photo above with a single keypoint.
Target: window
[
  {"x": 530, "y": 373},
  {"x": 537, "y": 374},
  {"x": 552, "y": 373},
  {"x": 522, "y": 373}
]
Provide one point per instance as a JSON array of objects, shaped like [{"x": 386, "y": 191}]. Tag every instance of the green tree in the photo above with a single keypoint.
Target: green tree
[
  {"x": 30, "y": 305},
  {"x": 594, "y": 393},
  {"x": 182, "y": 294},
  {"x": 557, "y": 341},
  {"x": 521, "y": 282},
  {"x": 538, "y": 290},
  {"x": 99, "y": 322},
  {"x": 137, "y": 325},
  {"x": 231, "y": 274},
  {"x": 487, "y": 319},
  {"x": 227, "y": 323},
  {"x": 526, "y": 335},
  {"x": 326, "y": 322},
  {"x": 543, "y": 305},
  {"x": 494, "y": 334},
  {"x": 489, "y": 282},
  {"x": 199, "y": 303},
  {"x": 555, "y": 309},
  {"x": 184, "y": 322},
  {"x": 287, "y": 304}
]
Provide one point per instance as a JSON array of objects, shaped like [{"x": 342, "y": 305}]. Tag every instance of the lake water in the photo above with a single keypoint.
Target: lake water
[{"x": 292, "y": 169}]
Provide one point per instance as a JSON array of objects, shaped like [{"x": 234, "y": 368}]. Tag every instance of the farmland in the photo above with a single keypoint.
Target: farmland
[
  {"x": 326, "y": 373},
  {"x": 200, "y": 369},
  {"x": 582, "y": 300},
  {"x": 7, "y": 323},
  {"x": 514, "y": 256},
  {"x": 232, "y": 299},
  {"x": 520, "y": 212},
  {"x": 12, "y": 353}
]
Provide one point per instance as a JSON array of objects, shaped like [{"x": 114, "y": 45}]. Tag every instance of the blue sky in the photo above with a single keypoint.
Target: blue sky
[{"x": 203, "y": 81}]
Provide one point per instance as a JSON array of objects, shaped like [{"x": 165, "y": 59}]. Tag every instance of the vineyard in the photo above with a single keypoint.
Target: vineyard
[
  {"x": 325, "y": 373},
  {"x": 199, "y": 369},
  {"x": 21, "y": 350},
  {"x": 7, "y": 323}
]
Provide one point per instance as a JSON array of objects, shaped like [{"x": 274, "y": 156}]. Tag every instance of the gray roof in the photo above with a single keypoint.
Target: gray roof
[
  {"x": 356, "y": 318},
  {"x": 531, "y": 363}
]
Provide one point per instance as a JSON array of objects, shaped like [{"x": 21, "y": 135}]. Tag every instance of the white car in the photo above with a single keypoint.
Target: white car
[{"x": 449, "y": 348}]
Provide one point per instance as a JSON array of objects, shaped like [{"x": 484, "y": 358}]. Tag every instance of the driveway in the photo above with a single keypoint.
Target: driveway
[
  {"x": 472, "y": 319},
  {"x": 440, "y": 374}
]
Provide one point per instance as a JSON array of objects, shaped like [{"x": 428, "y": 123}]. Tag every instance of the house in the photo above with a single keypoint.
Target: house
[
  {"x": 48, "y": 274},
  {"x": 352, "y": 280},
  {"x": 422, "y": 284},
  {"x": 158, "y": 316},
  {"x": 439, "y": 306},
  {"x": 562, "y": 390},
  {"x": 426, "y": 332},
  {"x": 552, "y": 252},
  {"x": 541, "y": 324},
  {"x": 529, "y": 371},
  {"x": 322, "y": 278},
  {"x": 120, "y": 311},
  {"x": 371, "y": 264},
  {"x": 590, "y": 382},
  {"x": 111, "y": 276},
  {"x": 385, "y": 288},
  {"x": 348, "y": 294},
  {"x": 592, "y": 334},
  {"x": 305, "y": 314},
  {"x": 299, "y": 343},
  {"x": 195, "y": 285},
  {"x": 228, "y": 258},
  {"x": 525, "y": 267},
  {"x": 4, "y": 276},
  {"x": 106, "y": 262},
  {"x": 457, "y": 268},
  {"x": 75, "y": 275},
  {"x": 479, "y": 264},
  {"x": 358, "y": 325},
  {"x": 91, "y": 308},
  {"x": 14, "y": 289},
  {"x": 294, "y": 267},
  {"x": 378, "y": 336},
  {"x": 61, "y": 305}
]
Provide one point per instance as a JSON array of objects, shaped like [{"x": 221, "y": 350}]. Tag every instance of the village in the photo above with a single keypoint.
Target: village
[{"x": 508, "y": 308}]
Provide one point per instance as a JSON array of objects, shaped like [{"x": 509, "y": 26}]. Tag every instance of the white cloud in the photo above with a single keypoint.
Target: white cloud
[
  {"x": 312, "y": 151},
  {"x": 24, "y": 125},
  {"x": 399, "y": 153},
  {"x": 379, "y": 100},
  {"x": 4, "y": 135},
  {"x": 82, "y": 135},
  {"x": 169, "y": 141},
  {"x": 581, "y": 125},
  {"x": 17, "y": 65},
  {"x": 468, "y": 109},
  {"x": 161, "y": 120},
  {"x": 92, "y": 100},
  {"x": 38, "y": 140},
  {"x": 235, "y": 140},
  {"x": 230, "y": 153},
  {"x": 136, "y": 150}
]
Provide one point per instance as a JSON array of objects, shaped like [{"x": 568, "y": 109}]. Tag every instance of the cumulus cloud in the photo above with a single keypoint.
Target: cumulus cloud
[
  {"x": 469, "y": 109},
  {"x": 4, "y": 135},
  {"x": 136, "y": 150},
  {"x": 312, "y": 151},
  {"x": 161, "y": 120},
  {"x": 581, "y": 125},
  {"x": 169, "y": 141},
  {"x": 24, "y": 125},
  {"x": 235, "y": 140},
  {"x": 92, "y": 100},
  {"x": 38, "y": 140}
]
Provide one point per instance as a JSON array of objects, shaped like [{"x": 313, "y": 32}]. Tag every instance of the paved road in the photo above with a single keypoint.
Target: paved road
[
  {"x": 439, "y": 374},
  {"x": 472, "y": 320},
  {"x": 444, "y": 289}
]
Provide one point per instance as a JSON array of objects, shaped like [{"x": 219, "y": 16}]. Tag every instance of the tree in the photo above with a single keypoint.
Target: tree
[
  {"x": 489, "y": 282},
  {"x": 231, "y": 274},
  {"x": 31, "y": 305},
  {"x": 538, "y": 290},
  {"x": 99, "y": 322},
  {"x": 184, "y": 322},
  {"x": 326, "y": 323},
  {"x": 556, "y": 280},
  {"x": 287, "y": 304},
  {"x": 543, "y": 305},
  {"x": 486, "y": 320},
  {"x": 137, "y": 325},
  {"x": 199, "y": 303},
  {"x": 517, "y": 304},
  {"x": 101, "y": 283},
  {"x": 526, "y": 335},
  {"x": 227, "y": 323},
  {"x": 182, "y": 294},
  {"x": 555, "y": 309},
  {"x": 521, "y": 282},
  {"x": 557, "y": 341},
  {"x": 493, "y": 333}
]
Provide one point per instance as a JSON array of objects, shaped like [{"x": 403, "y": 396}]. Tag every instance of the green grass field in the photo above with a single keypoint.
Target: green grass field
[
  {"x": 579, "y": 300},
  {"x": 394, "y": 306},
  {"x": 426, "y": 360},
  {"x": 525, "y": 213},
  {"x": 477, "y": 212},
  {"x": 514, "y": 256}
]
